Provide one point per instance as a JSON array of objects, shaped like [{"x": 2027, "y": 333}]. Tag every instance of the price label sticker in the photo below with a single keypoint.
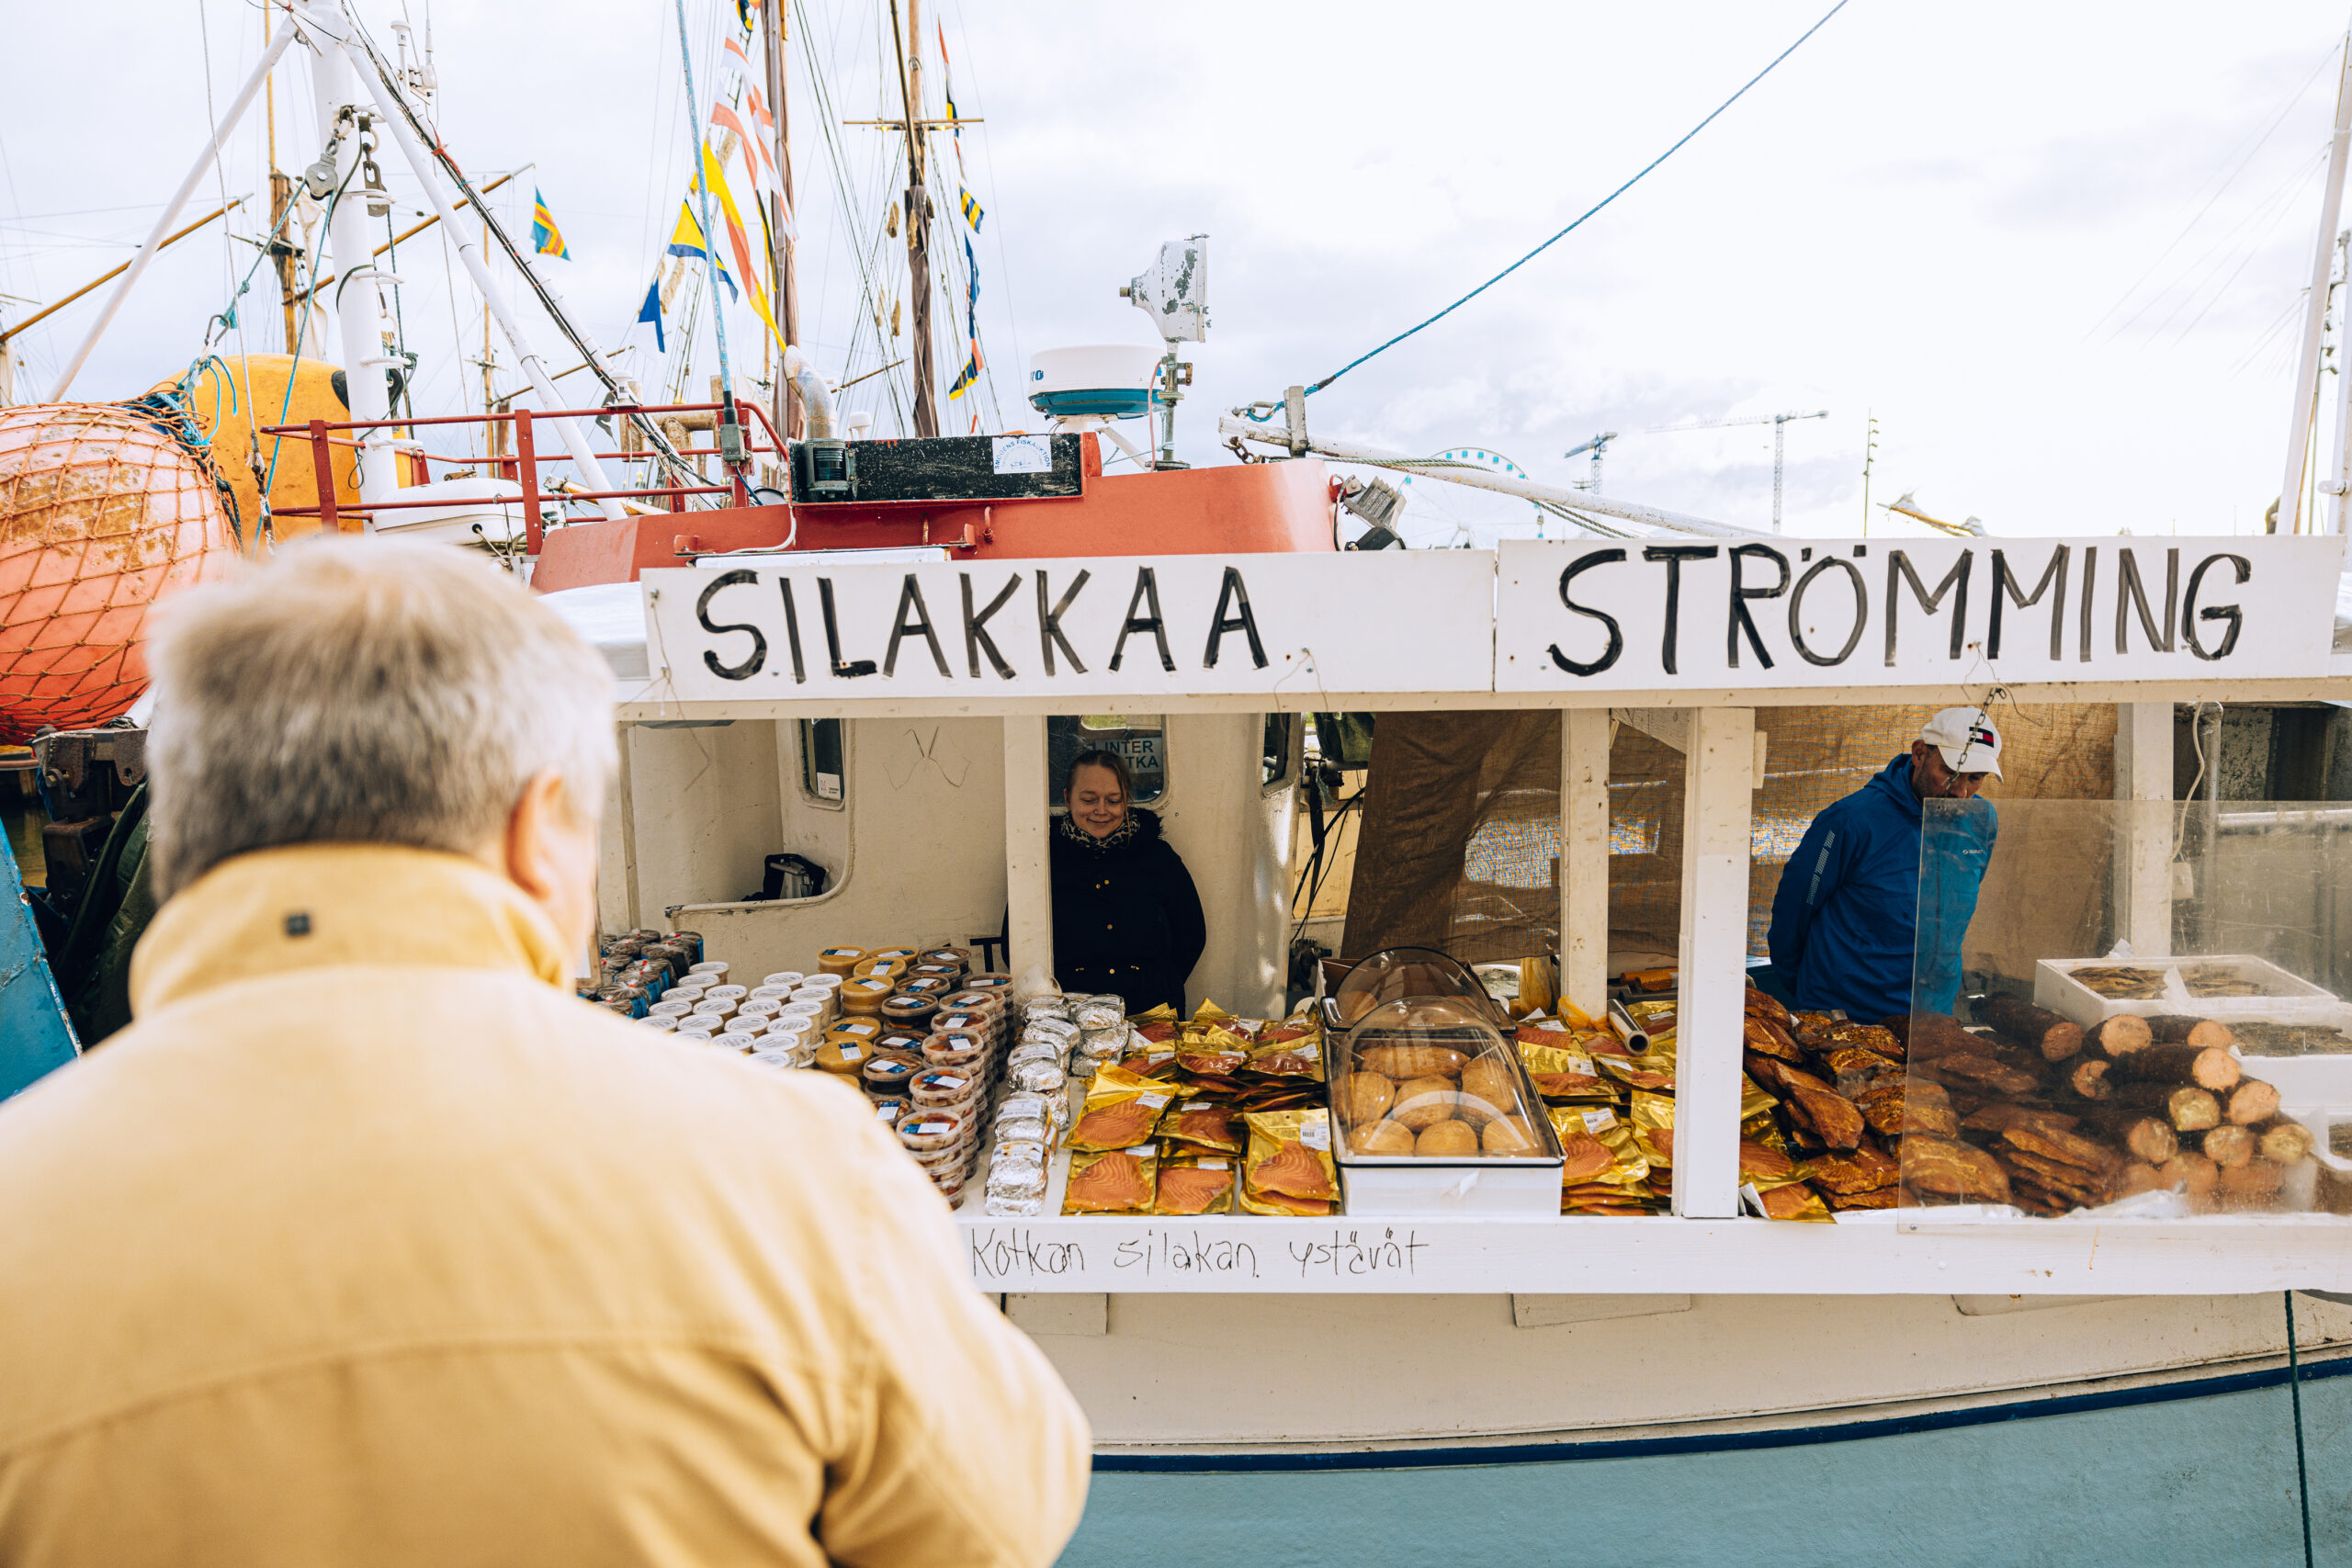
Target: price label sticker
[
  {"x": 1143, "y": 1151},
  {"x": 1211, "y": 1164},
  {"x": 1599, "y": 1121},
  {"x": 1153, "y": 1101},
  {"x": 1316, "y": 1135},
  {"x": 852, "y": 1053}
]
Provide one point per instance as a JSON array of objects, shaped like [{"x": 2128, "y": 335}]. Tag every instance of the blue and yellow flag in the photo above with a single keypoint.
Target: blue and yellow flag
[
  {"x": 546, "y": 238},
  {"x": 652, "y": 312},
  {"x": 686, "y": 240},
  {"x": 973, "y": 210},
  {"x": 965, "y": 376}
]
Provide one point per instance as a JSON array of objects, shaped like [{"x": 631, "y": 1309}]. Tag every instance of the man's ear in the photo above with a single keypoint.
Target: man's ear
[{"x": 541, "y": 817}]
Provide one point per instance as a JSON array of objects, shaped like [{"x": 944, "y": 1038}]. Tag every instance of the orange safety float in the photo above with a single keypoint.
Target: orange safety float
[{"x": 101, "y": 513}]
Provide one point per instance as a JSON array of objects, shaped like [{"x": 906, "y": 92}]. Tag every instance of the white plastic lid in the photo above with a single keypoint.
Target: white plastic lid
[
  {"x": 736, "y": 1040},
  {"x": 672, "y": 1006},
  {"x": 760, "y": 1006},
  {"x": 708, "y": 966},
  {"x": 777, "y": 993},
  {"x": 737, "y": 992},
  {"x": 660, "y": 1024},
  {"x": 823, "y": 982},
  {"x": 783, "y": 977},
  {"x": 785, "y": 1024},
  {"x": 702, "y": 1026},
  {"x": 714, "y": 1006}
]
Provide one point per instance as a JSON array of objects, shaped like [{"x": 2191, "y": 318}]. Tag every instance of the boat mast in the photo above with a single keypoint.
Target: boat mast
[
  {"x": 2290, "y": 516},
  {"x": 783, "y": 266},
  {"x": 918, "y": 215}
]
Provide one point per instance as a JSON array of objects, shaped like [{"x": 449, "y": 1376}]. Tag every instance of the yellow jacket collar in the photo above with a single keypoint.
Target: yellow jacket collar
[{"x": 311, "y": 906}]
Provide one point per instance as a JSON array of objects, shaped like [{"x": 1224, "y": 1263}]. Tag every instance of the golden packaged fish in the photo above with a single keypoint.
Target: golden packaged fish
[
  {"x": 1215, "y": 1129},
  {"x": 1115, "y": 1182},
  {"x": 1290, "y": 1156},
  {"x": 1194, "y": 1186},
  {"x": 1121, "y": 1109}
]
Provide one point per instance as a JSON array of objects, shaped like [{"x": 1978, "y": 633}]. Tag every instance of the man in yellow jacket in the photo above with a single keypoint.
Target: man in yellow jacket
[{"x": 367, "y": 1243}]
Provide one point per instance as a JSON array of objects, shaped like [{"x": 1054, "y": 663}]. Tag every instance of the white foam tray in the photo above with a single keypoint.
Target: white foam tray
[{"x": 2291, "y": 999}]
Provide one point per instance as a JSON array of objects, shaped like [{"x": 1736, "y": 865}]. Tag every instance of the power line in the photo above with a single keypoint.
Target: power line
[{"x": 1604, "y": 201}]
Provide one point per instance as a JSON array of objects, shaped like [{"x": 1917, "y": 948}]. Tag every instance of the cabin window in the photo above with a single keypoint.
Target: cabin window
[
  {"x": 1276, "y": 751},
  {"x": 823, "y": 779},
  {"x": 1140, "y": 738}
]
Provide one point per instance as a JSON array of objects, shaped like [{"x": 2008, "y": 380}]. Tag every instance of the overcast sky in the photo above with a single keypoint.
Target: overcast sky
[{"x": 2058, "y": 251}]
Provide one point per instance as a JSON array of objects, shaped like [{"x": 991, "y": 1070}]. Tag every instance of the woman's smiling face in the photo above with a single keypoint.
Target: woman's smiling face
[{"x": 1096, "y": 802}]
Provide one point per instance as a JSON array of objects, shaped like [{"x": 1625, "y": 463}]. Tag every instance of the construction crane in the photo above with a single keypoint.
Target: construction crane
[
  {"x": 1597, "y": 446},
  {"x": 1778, "y": 422}
]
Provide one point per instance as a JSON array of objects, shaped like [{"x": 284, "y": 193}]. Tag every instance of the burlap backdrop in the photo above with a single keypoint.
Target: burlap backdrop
[{"x": 1460, "y": 843}]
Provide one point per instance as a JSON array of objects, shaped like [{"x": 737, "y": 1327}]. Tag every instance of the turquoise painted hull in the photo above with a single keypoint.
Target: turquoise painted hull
[{"x": 2198, "y": 1472}]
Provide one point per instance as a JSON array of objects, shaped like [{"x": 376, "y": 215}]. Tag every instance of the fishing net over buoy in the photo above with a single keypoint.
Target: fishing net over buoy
[{"x": 101, "y": 512}]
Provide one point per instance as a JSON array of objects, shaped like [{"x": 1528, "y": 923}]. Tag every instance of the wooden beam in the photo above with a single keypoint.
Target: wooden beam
[
  {"x": 1584, "y": 857},
  {"x": 2143, "y": 845},
  {"x": 1717, "y": 813},
  {"x": 1028, "y": 873}
]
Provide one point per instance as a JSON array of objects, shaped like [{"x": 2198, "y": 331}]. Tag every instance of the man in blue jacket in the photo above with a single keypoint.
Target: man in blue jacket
[{"x": 1856, "y": 902}]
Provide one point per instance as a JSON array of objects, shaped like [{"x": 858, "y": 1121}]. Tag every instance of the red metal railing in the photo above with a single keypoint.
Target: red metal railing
[{"x": 523, "y": 466}]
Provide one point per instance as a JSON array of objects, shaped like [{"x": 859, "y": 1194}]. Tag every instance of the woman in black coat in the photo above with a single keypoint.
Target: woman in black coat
[{"x": 1126, "y": 918}]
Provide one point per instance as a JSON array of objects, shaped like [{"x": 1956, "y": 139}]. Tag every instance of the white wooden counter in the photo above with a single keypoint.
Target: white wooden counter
[{"x": 1887, "y": 1253}]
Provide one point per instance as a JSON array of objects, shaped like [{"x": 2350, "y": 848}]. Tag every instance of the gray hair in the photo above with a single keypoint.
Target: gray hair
[{"x": 364, "y": 692}]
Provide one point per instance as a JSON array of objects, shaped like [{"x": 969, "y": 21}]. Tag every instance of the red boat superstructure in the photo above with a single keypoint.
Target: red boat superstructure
[{"x": 1251, "y": 508}]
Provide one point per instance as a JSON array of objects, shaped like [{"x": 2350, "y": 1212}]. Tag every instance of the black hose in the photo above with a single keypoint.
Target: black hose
[{"x": 2295, "y": 1393}]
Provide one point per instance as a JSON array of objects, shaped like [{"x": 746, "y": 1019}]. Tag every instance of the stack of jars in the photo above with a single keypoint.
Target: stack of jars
[{"x": 636, "y": 969}]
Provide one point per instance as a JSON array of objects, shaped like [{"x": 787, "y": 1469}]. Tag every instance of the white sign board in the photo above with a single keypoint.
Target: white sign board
[
  {"x": 1293, "y": 624},
  {"x": 1786, "y": 612}
]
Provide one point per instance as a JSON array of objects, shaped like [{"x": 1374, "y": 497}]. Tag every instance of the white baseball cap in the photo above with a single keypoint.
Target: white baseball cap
[{"x": 1966, "y": 740}]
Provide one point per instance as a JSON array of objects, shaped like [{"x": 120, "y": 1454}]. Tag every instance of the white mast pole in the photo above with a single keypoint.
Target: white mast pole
[
  {"x": 2342, "y": 480},
  {"x": 237, "y": 106},
  {"x": 2299, "y": 422},
  {"x": 575, "y": 439},
  {"x": 358, "y": 297}
]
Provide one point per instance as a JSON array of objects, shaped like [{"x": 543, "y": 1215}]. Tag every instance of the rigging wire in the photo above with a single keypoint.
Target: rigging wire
[
  {"x": 1012, "y": 313},
  {"x": 2273, "y": 202},
  {"x": 828, "y": 119},
  {"x": 2229, "y": 179},
  {"x": 1595, "y": 209}
]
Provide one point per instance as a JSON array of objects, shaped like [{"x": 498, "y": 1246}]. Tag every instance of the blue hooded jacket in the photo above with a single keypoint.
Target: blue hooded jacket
[{"x": 1847, "y": 917}]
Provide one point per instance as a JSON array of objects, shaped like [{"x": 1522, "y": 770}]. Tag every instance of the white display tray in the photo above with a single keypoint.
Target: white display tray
[
  {"x": 2292, "y": 1000},
  {"x": 1428, "y": 1187}
]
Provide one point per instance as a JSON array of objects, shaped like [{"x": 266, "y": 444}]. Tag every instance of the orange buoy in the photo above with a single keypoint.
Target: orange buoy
[{"x": 101, "y": 513}]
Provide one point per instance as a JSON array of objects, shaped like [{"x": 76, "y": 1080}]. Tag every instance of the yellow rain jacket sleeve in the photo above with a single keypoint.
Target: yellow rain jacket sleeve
[{"x": 367, "y": 1244}]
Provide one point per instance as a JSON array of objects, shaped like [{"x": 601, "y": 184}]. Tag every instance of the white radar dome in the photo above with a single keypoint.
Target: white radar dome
[{"x": 1109, "y": 380}]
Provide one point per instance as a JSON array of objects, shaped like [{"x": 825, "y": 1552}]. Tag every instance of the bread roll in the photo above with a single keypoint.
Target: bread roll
[
  {"x": 1446, "y": 1138},
  {"x": 1382, "y": 1138},
  {"x": 1362, "y": 1096},
  {"x": 1493, "y": 1080},
  {"x": 1423, "y": 1103},
  {"x": 1411, "y": 1061},
  {"x": 1509, "y": 1135},
  {"x": 1478, "y": 1110}
]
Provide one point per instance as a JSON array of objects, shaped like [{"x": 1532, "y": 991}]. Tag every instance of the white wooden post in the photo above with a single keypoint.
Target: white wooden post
[
  {"x": 2144, "y": 846},
  {"x": 1719, "y": 774},
  {"x": 1028, "y": 874},
  {"x": 1584, "y": 857}
]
